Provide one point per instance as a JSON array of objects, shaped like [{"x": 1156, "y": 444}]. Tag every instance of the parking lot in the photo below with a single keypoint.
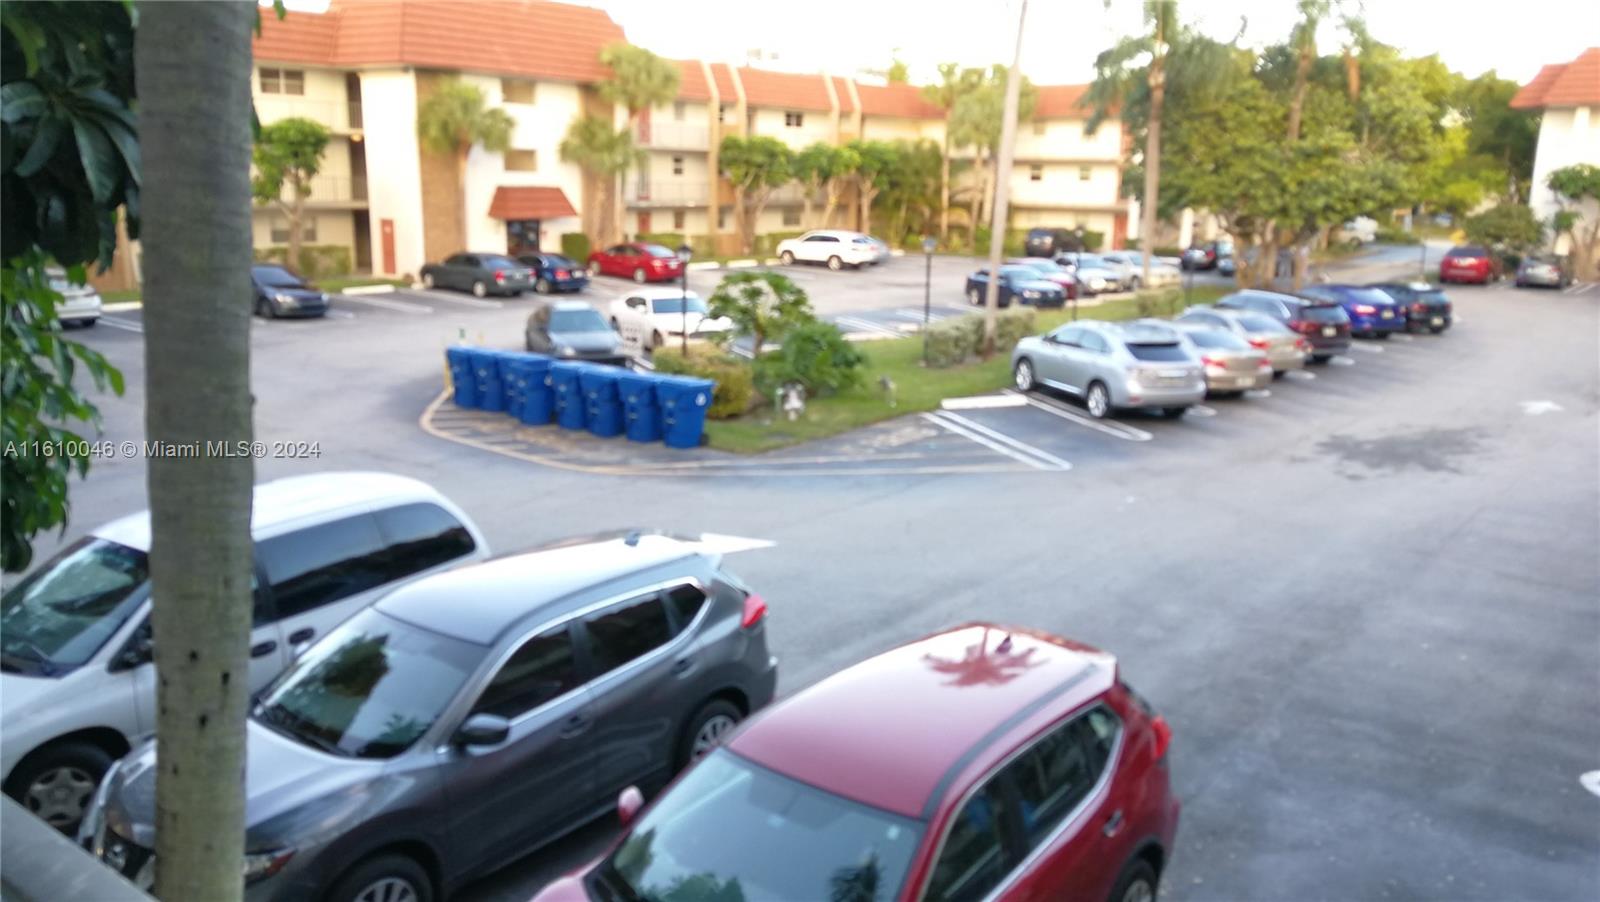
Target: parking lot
[{"x": 1366, "y": 599}]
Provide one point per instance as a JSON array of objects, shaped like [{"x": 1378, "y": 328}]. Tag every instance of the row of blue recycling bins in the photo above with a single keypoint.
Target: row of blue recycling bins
[{"x": 606, "y": 400}]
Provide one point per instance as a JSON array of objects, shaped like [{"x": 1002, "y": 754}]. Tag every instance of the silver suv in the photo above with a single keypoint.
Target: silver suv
[
  {"x": 473, "y": 715},
  {"x": 1143, "y": 364}
]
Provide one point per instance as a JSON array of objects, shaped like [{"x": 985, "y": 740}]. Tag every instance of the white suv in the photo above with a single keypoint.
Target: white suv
[
  {"x": 836, "y": 248},
  {"x": 78, "y": 688}
]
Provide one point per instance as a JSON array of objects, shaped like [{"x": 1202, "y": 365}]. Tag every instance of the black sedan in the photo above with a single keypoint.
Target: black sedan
[
  {"x": 1425, "y": 305},
  {"x": 280, "y": 291},
  {"x": 481, "y": 274},
  {"x": 1022, "y": 284}
]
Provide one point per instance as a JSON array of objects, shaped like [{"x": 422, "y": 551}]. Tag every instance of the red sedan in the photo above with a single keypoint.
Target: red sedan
[
  {"x": 981, "y": 762},
  {"x": 639, "y": 262},
  {"x": 1469, "y": 263}
]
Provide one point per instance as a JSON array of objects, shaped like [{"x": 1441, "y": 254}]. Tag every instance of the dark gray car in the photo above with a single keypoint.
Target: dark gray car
[
  {"x": 474, "y": 715},
  {"x": 481, "y": 274},
  {"x": 572, "y": 330}
]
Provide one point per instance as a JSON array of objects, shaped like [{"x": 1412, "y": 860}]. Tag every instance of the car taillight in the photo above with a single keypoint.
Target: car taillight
[
  {"x": 1163, "y": 735},
  {"x": 1261, "y": 343},
  {"x": 562, "y": 274},
  {"x": 1366, "y": 309},
  {"x": 1212, "y": 361},
  {"x": 1301, "y": 343},
  {"x": 499, "y": 275},
  {"x": 755, "y": 609}
]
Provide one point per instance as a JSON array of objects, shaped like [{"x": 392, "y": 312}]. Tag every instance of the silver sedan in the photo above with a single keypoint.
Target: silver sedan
[
  {"x": 1232, "y": 366},
  {"x": 1284, "y": 348}
]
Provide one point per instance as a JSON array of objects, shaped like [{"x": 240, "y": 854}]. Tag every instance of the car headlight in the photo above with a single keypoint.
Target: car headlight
[
  {"x": 565, "y": 350},
  {"x": 1097, "y": 283},
  {"x": 282, "y": 298},
  {"x": 261, "y": 865},
  {"x": 325, "y": 297},
  {"x": 1030, "y": 294}
]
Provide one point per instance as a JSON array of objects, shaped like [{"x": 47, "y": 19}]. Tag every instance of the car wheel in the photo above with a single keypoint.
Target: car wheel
[
  {"x": 706, "y": 730},
  {"x": 427, "y": 280},
  {"x": 57, "y": 782},
  {"x": 263, "y": 308},
  {"x": 384, "y": 878},
  {"x": 1173, "y": 413},
  {"x": 835, "y": 264},
  {"x": 973, "y": 297},
  {"x": 1024, "y": 375},
  {"x": 1098, "y": 401},
  {"x": 787, "y": 257},
  {"x": 479, "y": 289},
  {"x": 542, "y": 286},
  {"x": 657, "y": 339},
  {"x": 638, "y": 275},
  {"x": 1134, "y": 284},
  {"x": 1137, "y": 883}
]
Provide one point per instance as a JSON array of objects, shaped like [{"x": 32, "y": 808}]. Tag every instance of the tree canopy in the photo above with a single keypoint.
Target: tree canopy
[
  {"x": 639, "y": 79},
  {"x": 457, "y": 115}
]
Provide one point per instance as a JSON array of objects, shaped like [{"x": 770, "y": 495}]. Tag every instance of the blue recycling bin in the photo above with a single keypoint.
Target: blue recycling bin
[
  {"x": 537, "y": 403},
  {"x": 641, "y": 415},
  {"x": 567, "y": 394},
  {"x": 684, "y": 402},
  {"x": 513, "y": 381},
  {"x": 462, "y": 380},
  {"x": 602, "y": 404},
  {"x": 486, "y": 374}
]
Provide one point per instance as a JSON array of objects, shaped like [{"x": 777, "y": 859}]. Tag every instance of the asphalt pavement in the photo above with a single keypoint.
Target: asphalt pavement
[{"x": 1367, "y": 602}]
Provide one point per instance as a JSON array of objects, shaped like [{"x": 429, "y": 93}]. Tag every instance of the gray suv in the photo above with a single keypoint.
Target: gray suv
[
  {"x": 474, "y": 715},
  {"x": 1113, "y": 366}
]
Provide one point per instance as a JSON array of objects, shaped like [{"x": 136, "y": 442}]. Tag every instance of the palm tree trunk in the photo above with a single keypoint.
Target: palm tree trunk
[
  {"x": 944, "y": 187},
  {"x": 193, "y": 69}
]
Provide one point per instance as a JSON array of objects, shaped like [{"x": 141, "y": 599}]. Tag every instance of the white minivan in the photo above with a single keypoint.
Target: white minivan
[{"x": 78, "y": 687}]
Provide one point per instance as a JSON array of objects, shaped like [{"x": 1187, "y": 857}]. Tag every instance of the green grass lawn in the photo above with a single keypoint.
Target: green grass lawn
[
  {"x": 344, "y": 282},
  {"x": 120, "y": 296},
  {"x": 916, "y": 387}
]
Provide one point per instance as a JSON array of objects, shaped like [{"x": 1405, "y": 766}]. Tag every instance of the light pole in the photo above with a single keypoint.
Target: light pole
[
  {"x": 928, "y": 244},
  {"x": 685, "y": 254}
]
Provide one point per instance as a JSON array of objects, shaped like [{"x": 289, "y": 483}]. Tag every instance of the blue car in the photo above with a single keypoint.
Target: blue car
[
  {"x": 555, "y": 273},
  {"x": 1021, "y": 284},
  {"x": 1373, "y": 313}
]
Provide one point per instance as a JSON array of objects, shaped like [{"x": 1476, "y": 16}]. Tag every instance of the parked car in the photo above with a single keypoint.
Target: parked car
[
  {"x": 572, "y": 330},
  {"x": 656, "y": 314},
  {"x": 1285, "y": 350},
  {"x": 1043, "y": 242},
  {"x": 1050, "y": 271},
  {"x": 80, "y": 304},
  {"x": 639, "y": 262},
  {"x": 1227, "y": 266},
  {"x": 1548, "y": 270},
  {"x": 481, "y": 274},
  {"x": 78, "y": 688},
  {"x": 1361, "y": 230},
  {"x": 835, "y": 247},
  {"x": 278, "y": 291},
  {"x": 1022, "y": 284},
  {"x": 1470, "y": 263},
  {"x": 1161, "y": 274},
  {"x": 1208, "y": 255},
  {"x": 472, "y": 716},
  {"x": 895, "y": 780},
  {"x": 1372, "y": 313},
  {"x": 555, "y": 273},
  {"x": 1093, "y": 278},
  {"x": 1232, "y": 365},
  {"x": 1112, "y": 366},
  {"x": 1322, "y": 323},
  {"x": 1426, "y": 306}
]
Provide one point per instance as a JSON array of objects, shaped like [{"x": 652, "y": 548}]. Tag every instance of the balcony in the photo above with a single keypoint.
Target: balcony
[
  {"x": 673, "y": 135},
  {"x": 334, "y": 191},
  {"x": 666, "y": 194},
  {"x": 338, "y": 115}
]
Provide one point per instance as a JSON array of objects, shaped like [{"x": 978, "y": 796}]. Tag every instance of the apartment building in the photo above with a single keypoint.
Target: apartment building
[{"x": 1569, "y": 129}]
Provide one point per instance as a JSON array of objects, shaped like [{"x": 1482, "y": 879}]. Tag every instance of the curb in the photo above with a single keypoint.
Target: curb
[
  {"x": 369, "y": 289},
  {"x": 122, "y": 306}
]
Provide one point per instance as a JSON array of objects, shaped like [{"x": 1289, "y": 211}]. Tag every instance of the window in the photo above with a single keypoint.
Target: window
[
  {"x": 677, "y": 165},
  {"x": 1038, "y": 129},
  {"x": 1093, "y": 341},
  {"x": 542, "y": 669},
  {"x": 973, "y": 859},
  {"x": 722, "y": 218},
  {"x": 1059, "y": 771},
  {"x": 283, "y": 81},
  {"x": 516, "y": 90},
  {"x": 684, "y": 602},
  {"x": 791, "y": 216},
  {"x": 280, "y": 229},
  {"x": 1069, "y": 335},
  {"x": 794, "y": 120},
  {"x": 421, "y": 536},
  {"x": 679, "y": 109},
  {"x": 1083, "y": 173},
  {"x": 461, "y": 260},
  {"x": 65, "y": 610},
  {"x": 627, "y": 632},
  {"x": 824, "y": 238},
  {"x": 1036, "y": 173},
  {"x": 678, "y": 219},
  {"x": 323, "y": 564},
  {"x": 722, "y": 112},
  {"x": 522, "y": 161}
]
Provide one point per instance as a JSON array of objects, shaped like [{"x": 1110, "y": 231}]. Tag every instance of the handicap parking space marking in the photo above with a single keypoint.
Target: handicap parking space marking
[
  {"x": 389, "y": 304},
  {"x": 916, "y": 315},
  {"x": 1370, "y": 349},
  {"x": 1119, "y": 430},
  {"x": 435, "y": 294},
  {"x": 1341, "y": 360},
  {"x": 998, "y": 442},
  {"x": 1200, "y": 410},
  {"x": 123, "y": 324},
  {"x": 858, "y": 324},
  {"x": 1298, "y": 376}
]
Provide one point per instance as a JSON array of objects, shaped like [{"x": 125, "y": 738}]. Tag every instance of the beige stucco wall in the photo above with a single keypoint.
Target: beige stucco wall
[
  {"x": 818, "y": 127},
  {"x": 1566, "y": 137},
  {"x": 394, "y": 187},
  {"x": 540, "y": 127},
  {"x": 324, "y": 101}
]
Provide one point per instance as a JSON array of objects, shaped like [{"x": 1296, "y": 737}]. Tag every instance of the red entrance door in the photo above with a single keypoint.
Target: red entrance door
[{"x": 387, "y": 227}]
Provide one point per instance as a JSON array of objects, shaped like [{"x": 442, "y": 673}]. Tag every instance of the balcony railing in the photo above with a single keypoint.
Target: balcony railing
[
  {"x": 338, "y": 115},
  {"x": 667, "y": 194},
  {"x": 333, "y": 189},
  {"x": 673, "y": 135}
]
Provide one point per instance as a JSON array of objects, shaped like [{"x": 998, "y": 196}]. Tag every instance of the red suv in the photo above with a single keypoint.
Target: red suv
[
  {"x": 981, "y": 762},
  {"x": 1469, "y": 263},
  {"x": 639, "y": 262}
]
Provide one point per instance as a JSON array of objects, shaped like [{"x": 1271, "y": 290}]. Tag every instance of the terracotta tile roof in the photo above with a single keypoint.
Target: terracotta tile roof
[
  {"x": 530, "y": 203},
  {"x": 529, "y": 38},
  {"x": 784, "y": 89},
  {"x": 724, "y": 79},
  {"x": 841, "y": 89},
  {"x": 901, "y": 101},
  {"x": 1061, "y": 102},
  {"x": 1563, "y": 84},
  {"x": 692, "y": 81}
]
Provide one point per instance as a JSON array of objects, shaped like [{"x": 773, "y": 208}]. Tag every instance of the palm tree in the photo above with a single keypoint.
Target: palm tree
[
  {"x": 639, "y": 80},
  {"x": 605, "y": 153},
  {"x": 943, "y": 95},
  {"x": 193, "y": 68},
  {"x": 455, "y": 118}
]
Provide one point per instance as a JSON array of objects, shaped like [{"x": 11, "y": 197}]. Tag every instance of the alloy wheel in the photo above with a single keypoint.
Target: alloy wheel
[
  {"x": 710, "y": 735},
  {"x": 1098, "y": 403},
  {"x": 1138, "y": 891},
  {"x": 479, "y": 289},
  {"x": 638, "y": 276},
  {"x": 59, "y": 795},
  {"x": 1024, "y": 376},
  {"x": 388, "y": 889}
]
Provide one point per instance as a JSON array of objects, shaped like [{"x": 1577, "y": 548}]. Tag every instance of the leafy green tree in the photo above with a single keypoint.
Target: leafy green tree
[
  {"x": 1498, "y": 132},
  {"x": 757, "y": 166},
  {"x": 816, "y": 355},
  {"x": 976, "y": 119},
  {"x": 944, "y": 95},
  {"x": 814, "y": 167},
  {"x": 899, "y": 73},
  {"x": 639, "y": 80},
  {"x": 878, "y": 160},
  {"x": 288, "y": 154},
  {"x": 455, "y": 118},
  {"x": 605, "y": 153},
  {"x": 911, "y": 193},
  {"x": 1511, "y": 227},
  {"x": 763, "y": 305},
  {"x": 1578, "y": 187},
  {"x": 845, "y": 163}
]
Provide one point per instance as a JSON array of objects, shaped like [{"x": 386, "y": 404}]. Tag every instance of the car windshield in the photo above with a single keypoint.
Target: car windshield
[
  {"x": 1367, "y": 296},
  {"x": 1325, "y": 313},
  {"x": 586, "y": 320},
  {"x": 370, "y": 688},
  {"x": 676, "y": 305},
  {"x": 732, "y": 830},
  {"x": 1162, "y": 352},
  {"x": 60, "y": 615},
  {"x": 276, "y": 277},
  {"x": 1218, "y": 339},
  {"x": 656, "y": 250}
]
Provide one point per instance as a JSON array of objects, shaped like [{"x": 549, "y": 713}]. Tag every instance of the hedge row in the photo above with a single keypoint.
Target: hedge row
[
  {"x": 951, "y": 342},
  {"x": 317, "y": 261},
  {"x": 735, "y": 393}
]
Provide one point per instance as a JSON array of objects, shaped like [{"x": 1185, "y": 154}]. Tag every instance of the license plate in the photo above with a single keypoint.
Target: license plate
[
  {"x": 1437, "y": 321},
  {"x": 1388, "y": 314},
  {"x": 1173, "y": 374},
  {"x": 1329, "y": 331}
]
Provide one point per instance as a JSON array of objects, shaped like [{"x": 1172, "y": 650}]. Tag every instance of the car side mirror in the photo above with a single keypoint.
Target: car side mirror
[
  {"x": 629, "y": 801},
  {"x": 483, "y": 729},
  {"x": 139, "y": 650}
]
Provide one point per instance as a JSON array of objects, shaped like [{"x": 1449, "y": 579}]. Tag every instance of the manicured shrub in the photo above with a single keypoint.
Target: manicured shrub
[
  {"x": 575, "y": 246},
  {"x": 1011, "y": 325},
  {"x": 952, "y": 341},
  {"x": 815, "y": 355},
  {"x": 734, "y": 394}
]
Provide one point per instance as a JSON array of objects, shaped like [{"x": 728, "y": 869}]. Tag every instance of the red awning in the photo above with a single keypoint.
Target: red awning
[{"x": 530, "y": 203}]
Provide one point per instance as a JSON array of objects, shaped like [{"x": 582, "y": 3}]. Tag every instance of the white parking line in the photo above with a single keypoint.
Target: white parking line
[
  {"x": 916, "y": 315},
  {"x": 399, "y": 306},
  {"x": 1120, "y": 430},
  {"x": 996, "y": 441},
  {"x": 864, "y": 325},
  {"x": 1300, "y": 375},
  {"x": 1341, "y": 360},
  {"x": 122, "y": 324},
  {"x": 1200, "y": 410},
  {"x": 984, "y": 402},
  {"x": 1370, "y": 349}
]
